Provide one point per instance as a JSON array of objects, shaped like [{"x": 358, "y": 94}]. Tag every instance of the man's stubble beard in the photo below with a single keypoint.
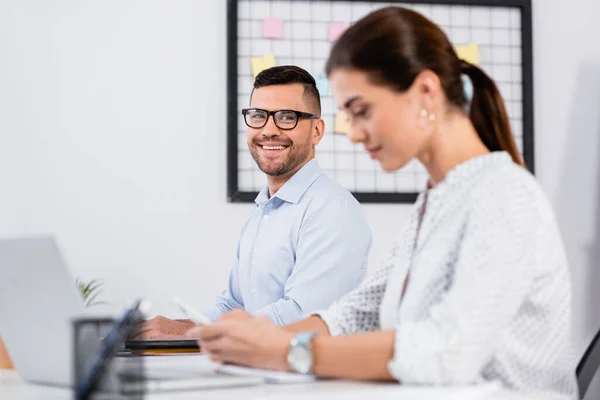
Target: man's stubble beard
[{"x": 296, "y": 156}]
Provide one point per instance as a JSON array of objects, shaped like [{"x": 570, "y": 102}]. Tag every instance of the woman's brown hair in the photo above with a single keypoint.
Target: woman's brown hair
[{"x": 393, "y": 45}]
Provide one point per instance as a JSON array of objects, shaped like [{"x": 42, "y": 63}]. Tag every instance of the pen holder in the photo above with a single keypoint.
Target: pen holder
[{"x": 116, "y": 373}]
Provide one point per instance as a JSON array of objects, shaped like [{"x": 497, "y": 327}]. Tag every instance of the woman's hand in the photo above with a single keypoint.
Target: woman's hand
[{"x": 253, "y": 342}]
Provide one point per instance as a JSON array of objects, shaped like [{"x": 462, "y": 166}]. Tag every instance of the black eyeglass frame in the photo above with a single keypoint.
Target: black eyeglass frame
[{"x": 299, "y": 114}]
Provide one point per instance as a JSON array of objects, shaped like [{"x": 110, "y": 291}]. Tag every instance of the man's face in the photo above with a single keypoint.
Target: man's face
[{"x": 280, "y": 152}]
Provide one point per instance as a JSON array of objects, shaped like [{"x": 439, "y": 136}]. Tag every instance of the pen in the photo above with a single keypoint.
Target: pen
[
  {"x": 197, "y": 317},
  {"x": 117, "y": 335}
]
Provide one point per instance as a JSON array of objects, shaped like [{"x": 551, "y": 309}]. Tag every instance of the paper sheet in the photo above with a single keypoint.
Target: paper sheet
[
  {"x": 336, "y": 29},
  {"x": 272, "y": 28},
  {"x": 342, "y": 124},
  {"x": 261, "y": 63},
  {"x": 267, "y": 375},
  {"x": 322, "y": 85},
  {"x": 469, "y": 53}
]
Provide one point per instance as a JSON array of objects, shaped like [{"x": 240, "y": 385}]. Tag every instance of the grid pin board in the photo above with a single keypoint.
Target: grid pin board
[{"x": 494, "y": 34}]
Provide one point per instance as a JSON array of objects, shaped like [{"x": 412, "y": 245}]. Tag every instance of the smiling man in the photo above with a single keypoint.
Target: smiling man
[{"x": 307, "y": 240}]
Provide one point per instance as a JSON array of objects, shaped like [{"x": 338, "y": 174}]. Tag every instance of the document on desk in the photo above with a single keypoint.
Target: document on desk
[{"x": 268, "y": 375}]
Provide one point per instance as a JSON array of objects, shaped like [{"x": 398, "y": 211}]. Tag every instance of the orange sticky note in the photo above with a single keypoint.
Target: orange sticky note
[
  {"x": 261, "y": 63},
  {"x": 342, "y": 123},
  {"x": 469, "y": 53},
  {"x": 272, "y": 28}
]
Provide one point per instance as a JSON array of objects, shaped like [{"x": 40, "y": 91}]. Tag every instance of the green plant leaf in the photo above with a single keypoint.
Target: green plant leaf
[
  {"x": 90, "y": 291},
  {"x": 92, "y": 297}
]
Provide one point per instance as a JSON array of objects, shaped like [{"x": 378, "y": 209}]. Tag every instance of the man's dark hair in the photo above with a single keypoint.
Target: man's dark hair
[{"x": 290, "y": 74}]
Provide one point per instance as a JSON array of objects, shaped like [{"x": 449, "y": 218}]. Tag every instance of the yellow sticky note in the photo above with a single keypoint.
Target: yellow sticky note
[
  {"x": 262, "y": 63},
  {"x": 342, "y": 124},
  {"x": 469, "y": 53}
]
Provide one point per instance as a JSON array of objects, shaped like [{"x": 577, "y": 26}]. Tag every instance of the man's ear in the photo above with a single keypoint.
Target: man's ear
[{"x": 318, "y": 130}]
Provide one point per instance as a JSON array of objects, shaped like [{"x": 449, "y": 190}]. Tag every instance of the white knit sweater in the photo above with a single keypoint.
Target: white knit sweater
[{"x": 488, "y": 294}]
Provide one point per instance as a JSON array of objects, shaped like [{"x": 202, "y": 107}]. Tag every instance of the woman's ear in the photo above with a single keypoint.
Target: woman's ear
[
  {"x": 429, "y": 89},
  {"x": 426, "y": 90}
]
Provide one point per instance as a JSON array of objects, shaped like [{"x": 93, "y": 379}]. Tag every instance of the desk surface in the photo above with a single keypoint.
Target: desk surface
[{"x": 12, "y": 387}]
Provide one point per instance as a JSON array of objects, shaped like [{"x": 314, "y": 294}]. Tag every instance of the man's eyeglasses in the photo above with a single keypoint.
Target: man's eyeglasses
[{"x": 284, "y": 119}]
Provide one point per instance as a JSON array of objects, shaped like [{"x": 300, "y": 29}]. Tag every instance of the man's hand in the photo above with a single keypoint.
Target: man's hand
[{"x": 163, "y": 328}]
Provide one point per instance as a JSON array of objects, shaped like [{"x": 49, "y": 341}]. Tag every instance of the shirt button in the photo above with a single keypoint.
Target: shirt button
[
  {"x": 253, "y": 291},
  {"x": 265, "y": 216}
]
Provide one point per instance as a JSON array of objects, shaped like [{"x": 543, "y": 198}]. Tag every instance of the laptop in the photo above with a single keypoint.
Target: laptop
[{"x": 38, "y": 301}]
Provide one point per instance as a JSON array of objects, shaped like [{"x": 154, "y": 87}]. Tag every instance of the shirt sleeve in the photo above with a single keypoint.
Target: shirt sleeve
[
  {"x": 230, "y": 298},
  {"x": 331, "y": 259},
  {"x": 358, "y": 311},
  {"x": 493, "y": 272}
]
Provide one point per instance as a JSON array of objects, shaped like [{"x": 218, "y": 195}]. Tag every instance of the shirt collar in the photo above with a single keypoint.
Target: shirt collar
[
  {"x": 466, "y": 170},
  {"x": 296, "y": 186}
]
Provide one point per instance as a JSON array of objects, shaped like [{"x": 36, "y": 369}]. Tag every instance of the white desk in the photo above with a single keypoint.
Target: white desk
[{"x": 12, "y": 387}]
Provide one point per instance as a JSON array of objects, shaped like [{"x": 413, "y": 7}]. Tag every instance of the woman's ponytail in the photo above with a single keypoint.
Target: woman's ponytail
[{"x": 488, "y": 114}]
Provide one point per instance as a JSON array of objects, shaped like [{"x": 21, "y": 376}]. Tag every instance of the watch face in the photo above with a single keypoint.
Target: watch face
[{"x": 300, "y": 359}]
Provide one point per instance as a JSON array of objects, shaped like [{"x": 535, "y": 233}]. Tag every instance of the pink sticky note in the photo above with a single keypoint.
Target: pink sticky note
[
  {"x": 336, "y": 29},
  {"x": 272, "y": 28}
]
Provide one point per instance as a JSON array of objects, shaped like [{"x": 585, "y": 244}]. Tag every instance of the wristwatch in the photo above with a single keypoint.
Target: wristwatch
[{"x": 299, "y": 355}]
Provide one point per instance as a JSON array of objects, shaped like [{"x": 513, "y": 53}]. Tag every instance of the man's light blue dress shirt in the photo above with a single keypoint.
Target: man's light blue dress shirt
[{"x": 301, "y": 250}]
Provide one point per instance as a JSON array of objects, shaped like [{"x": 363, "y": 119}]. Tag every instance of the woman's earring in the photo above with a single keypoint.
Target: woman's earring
[{"x": 427, "y": 115}]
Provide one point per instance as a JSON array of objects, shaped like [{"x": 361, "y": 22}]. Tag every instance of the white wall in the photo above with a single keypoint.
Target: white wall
[
  {"x": 118, "y": 147},
  {"x": 6, "y": 220},
  {"x": 113, "y": 117},
  {"x": 567, "y": 68},
  {"x": 115, "y": 122},
  {"x": 567, "y": 95}
]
